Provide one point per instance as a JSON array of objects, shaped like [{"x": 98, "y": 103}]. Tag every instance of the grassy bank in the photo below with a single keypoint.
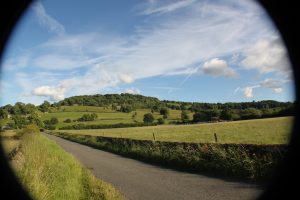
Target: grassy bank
[
  {"x": 252, "y": 162},
  {"x": 48, "y": 172},
  {"x": 258, "y": 131}
]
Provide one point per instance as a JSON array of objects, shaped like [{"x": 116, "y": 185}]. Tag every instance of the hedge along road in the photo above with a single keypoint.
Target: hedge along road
[{"x": 137, "y": 180}]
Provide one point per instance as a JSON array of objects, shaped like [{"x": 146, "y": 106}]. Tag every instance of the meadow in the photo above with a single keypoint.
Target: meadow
[
  {"x": 258, "y": 131},
  {"x": 48, "y": 172},
  {"x": 105, "y": 115}
]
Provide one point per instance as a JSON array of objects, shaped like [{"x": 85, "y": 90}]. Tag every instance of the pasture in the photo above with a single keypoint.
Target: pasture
[
  {"x": 105, "y": 115},
  {"x": 258, "y": 131}
]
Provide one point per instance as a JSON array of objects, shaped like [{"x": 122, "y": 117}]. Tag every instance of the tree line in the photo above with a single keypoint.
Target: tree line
[{"x": 22, "y": 114}]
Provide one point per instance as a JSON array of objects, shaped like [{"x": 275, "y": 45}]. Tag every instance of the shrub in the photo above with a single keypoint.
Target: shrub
[
  {"x": 254, "y": 162},
  {"x": 68, "y": 121},
  {"x": 88, "y": 117},
  {"x": 184, "y": 116},
  {"x": 160, "y": 121},
  {"x": 29, "y": 129},
  {"x": 148, "y": 118},
  {"x": 53, "y": 120}
]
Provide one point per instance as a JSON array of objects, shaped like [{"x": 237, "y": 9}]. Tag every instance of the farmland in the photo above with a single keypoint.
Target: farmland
[
  {"x": 105, "y": 116},
  {"x": 259, "y": 131}
]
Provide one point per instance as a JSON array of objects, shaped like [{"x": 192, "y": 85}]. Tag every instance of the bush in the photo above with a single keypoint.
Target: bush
[
  {"x": 251, "y": 113},
  {"x": 68, "y": 121},
  {"x": 53, "y": 120},
  {"x": 104, "y": 126},
  {"x": 127, "y": 108},
  {"x": 29, "y": 129},
  {"x": 148, "y": 118},
  {"x": 184, "y": 116},
  {"x": 254, "y": 162},
  {"x": 160, "y": 121},
  {"x": 88, "y": 117}
]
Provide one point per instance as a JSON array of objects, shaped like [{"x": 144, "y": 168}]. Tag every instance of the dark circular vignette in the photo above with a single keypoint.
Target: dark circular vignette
[
  {"x": 10, "y": 12},
  {"x": 284, "y": 182}
]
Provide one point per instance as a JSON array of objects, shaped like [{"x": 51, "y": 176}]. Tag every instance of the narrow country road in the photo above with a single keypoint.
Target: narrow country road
[{"x": 140, "y": 181}]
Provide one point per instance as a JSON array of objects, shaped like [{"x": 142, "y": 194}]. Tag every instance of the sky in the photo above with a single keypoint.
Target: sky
[{"x": 185, "y": 50}]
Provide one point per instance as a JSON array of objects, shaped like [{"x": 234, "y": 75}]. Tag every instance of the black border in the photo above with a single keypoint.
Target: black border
[{"x": 284, "y": 14}]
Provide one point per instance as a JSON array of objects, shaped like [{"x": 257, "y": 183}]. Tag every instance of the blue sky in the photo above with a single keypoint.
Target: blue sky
[{"x": 187, "y": 50}]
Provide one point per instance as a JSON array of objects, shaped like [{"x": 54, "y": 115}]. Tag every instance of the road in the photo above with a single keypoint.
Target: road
[{"x": 140, "y": 181}]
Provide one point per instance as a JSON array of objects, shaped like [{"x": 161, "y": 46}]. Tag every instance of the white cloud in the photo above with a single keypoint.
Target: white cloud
[
  {"x": 125, "y": 78},
  {"x": 165, "y": 45},
  {"x": 277, "y": 90},
  {"x": 275, "y": 85},
  {"x": 161, "y": 7},
  {"x": 55, "y": 93},
  {"x": 267, "y": 55},
  {"x": 217, "y": 67},
  {"x": 248, "y": 92},
  {"x": 46, "y": 20},
  {"x": 132, "y": 91}
]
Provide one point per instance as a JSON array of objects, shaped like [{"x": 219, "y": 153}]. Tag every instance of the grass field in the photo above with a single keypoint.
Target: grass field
[
  {"x": 105, "y": 116},
  {"x": 9, "y": 145},
  {"x": 48, "y": 172},
  {"x": 259, "y": 131}
]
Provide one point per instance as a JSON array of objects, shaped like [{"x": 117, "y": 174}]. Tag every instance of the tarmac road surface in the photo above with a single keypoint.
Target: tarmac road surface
[{"x": 140, "y": 181}]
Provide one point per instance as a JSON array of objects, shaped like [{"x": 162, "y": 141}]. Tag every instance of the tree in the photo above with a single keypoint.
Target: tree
[
  {"x": 53, "y": 120},
  {"x": 213, "y": 114},
  {"x": 160, "y": 121},
  {"x": 19, "y": 121},
  {"x": 114, "y": 107},
  {"x": 164, "y": 112},
  {"x": 3, "y": 114},
  {"x": 126, "y": 108},
  {"x": 148, "y": 118},
  {"x": 251, "y": 113},
  {"x": 200, "y": 117},
  {"x": 44, "y": 107},
  {"x": 226, "y": 115},
  {"x": 184, "y": 116},
  {"x": 34, "y": 118}
]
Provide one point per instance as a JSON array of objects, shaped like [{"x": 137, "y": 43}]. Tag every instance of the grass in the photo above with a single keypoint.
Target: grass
[
  {"x": 9, "y": 145},
  {"x": 48, "y": 172},
  {"x": 251, "y": 162},
  {"x": 105, "y": 116},
  {"x": 259, "y": 131},
  {"x": 8, "y": 133}
]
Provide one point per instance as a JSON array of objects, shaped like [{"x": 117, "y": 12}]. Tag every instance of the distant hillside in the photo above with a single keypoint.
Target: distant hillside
[
  {"x": 138, "y": 101},
  {"x": 132, "y": 108}
]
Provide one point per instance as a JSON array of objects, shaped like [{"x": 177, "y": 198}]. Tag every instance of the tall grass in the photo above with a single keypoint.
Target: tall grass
[
  {"x": 48, "y": 172},
  {"x": 252, "y": 162}
]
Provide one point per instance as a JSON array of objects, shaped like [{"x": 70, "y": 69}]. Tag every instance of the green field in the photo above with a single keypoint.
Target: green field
[
  {"x": 105, "y": 115},
  {"x": 259, "y": 131},
  {"x": 39, "y": 167}
]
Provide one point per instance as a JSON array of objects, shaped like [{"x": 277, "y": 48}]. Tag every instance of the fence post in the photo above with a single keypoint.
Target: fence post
[
  {"x": 216, "y": 138},
  {"x": 153, "y": 136}
]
